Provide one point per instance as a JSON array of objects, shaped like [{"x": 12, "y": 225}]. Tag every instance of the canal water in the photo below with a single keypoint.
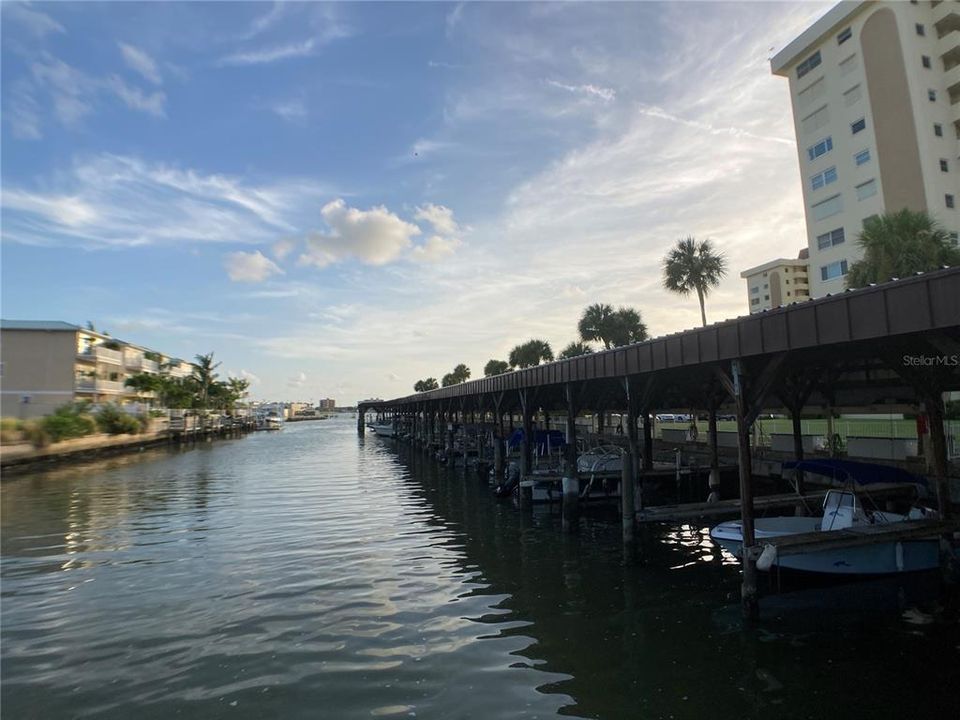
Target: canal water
[{"x": 314, "y": 574}]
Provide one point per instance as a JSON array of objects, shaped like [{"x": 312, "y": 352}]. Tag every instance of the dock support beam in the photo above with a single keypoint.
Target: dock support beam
[
  {"x": 571, "y": 478},
  {"x": 526, "y": 448},
  {"x": 361, "y": 425},
  {"x": 748, "y": 590},
  {"x": 714, "y": 481}
]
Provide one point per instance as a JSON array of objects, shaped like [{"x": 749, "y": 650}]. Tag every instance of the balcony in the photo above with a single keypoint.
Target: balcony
[
  {"x": 98, "y": 353},
  {"x": 138, "y": 363},
  {"x": 96, "y": 385},
  {"x": 946, "y": 16}
]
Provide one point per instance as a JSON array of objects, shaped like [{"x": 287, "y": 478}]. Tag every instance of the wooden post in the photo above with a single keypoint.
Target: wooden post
[
  {"x": 648, "y": 418},
  {"x": 748, "y": 590},
  {"x": 498, "y": 439},
  {"x": 571, "y": 449},
  {"x": 600, "y": 424},
  {"x": 713, "y": 438},
  {"x": 797, "y": 447},
  {"x": 628, "y": 477},
  {"x": 571, "y": 479},
  {"x": 361, "y": 421},
  {"x": 526, "y": 448},
  {"x": 938, "y": 442}
]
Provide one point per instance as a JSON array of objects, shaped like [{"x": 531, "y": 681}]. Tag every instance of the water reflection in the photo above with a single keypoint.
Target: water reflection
[{"x": 310, "y": 574}]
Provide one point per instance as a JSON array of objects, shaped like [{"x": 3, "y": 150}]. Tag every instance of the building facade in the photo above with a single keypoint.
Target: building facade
[
  {"x": 875, "y": 88},
  {"x": 46, "y": 364},
  {"x": 778, "y": 282}
]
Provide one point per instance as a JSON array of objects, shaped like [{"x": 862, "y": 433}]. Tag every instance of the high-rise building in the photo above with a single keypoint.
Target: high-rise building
[
  {"x": 776, "y": 283},
  {"x": 875, "y": 88}
]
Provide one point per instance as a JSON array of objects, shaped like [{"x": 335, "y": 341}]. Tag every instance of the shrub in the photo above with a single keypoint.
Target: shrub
[
  {"x": 68, "y": 421},
  {"x": 10, "y": 430},
  {"x": 113, "y": 420},
  {"x": 35, "y": 433}
]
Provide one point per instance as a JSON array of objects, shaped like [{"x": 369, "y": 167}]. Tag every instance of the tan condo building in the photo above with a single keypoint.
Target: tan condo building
[
  {"x": 875, "y": 88},
  {"x": 46, "y": 364},
  {"x": 776, "y": 283}
]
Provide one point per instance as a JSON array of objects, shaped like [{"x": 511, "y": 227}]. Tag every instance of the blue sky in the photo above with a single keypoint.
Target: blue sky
[{"x": 339, "y": 200}]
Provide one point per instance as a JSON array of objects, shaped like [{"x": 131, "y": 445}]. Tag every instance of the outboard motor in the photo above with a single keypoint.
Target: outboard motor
[{"x": 510, "y": 483}]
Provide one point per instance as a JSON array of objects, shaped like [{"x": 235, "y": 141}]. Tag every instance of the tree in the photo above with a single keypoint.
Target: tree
[
  {"x": 204, "y": 373},
  {"x": 236, "y": 390},
  {"x": 531, "y": 353},
  {"x": 596, "y": 324},
  {"x": 693, "y": 266},
  {"x": 900, "y": 244},
  {"x": 495, "y": 367},
  {"x": 461, "y": 373},
  {"x": 627, "y": 328},
  {"x": 143, "y": 383},
  {"x": 425, "y": 385},
  {"x": 574, "y": 349}
]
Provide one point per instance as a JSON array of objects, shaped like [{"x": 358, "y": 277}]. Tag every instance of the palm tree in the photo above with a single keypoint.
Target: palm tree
[
  {"x": 596, "y": 324},
  {"x": 143, "y": 383},
  {"x": 237, "y": 390},
  {"x": 901, "y": 244},
  {"x": 626, "y": 327},
  {"x": 693, "y": 266},
  {"x": 425, "y": 385},
  {"x": 461, "y": 373},
  {"x": 574, "y": 349},
  {"x": 204, "y": 372},
  {"x": 531, "y": 353},
  {"x": 495, "y": 367}
]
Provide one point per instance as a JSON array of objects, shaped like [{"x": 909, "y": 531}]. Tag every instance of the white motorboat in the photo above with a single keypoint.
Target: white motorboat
[
  {"x": 602, "y": 459},
  {"x": 842, "y": 510},
  {"x": 270, "y": 422},
  {"x": 383, "y": 429}
]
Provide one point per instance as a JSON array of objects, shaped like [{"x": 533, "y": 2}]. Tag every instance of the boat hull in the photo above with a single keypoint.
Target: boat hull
[{"x": 887, "y": 558}]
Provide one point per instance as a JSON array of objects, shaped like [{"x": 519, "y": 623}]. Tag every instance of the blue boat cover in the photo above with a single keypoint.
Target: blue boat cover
[
  {"x": 541, "y": 440},
  {"x": 860, "y": 472}
]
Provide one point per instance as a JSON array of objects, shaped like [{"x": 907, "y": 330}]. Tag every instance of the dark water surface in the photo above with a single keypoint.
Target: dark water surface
[{"x": 312, "y": 574}]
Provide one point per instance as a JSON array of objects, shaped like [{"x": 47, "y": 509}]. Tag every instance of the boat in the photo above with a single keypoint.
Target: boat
[
  {"x": 383, "y": 429},
  {"x": 270, "y": 422},
  {"x": 602, "y": 459},
  {"x": 849, "y": 509}
]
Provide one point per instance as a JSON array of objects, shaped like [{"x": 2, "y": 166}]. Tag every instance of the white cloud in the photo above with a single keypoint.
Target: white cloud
[
  {"x": 111, "y": 200},
  {"x": 70, "y": 90},
  {"x": 265, "y": 56},
  {"x": 36, "y": 22},
  {"x": 24, "y": 112},
  {"x": 250, "y": 267},
  {"x": 375, "y": 236},
  {"x": 292, "y": 110},
  {"x": 440, "y": 217},
  {"x": 603, "y": 93},
  {"x": 263, "y": 22},
  {"x": 436, "y": 248},
  {"x": 282, "y": 248},
  {"x": 298, "y": 380},
  {"x": 138, "y": 61},
  {"x": 137, "y": 99},
  {"x": 250, "y": 377}
]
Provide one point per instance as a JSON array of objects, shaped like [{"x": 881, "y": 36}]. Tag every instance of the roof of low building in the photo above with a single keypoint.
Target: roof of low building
[{"x": 48, "y": 325}]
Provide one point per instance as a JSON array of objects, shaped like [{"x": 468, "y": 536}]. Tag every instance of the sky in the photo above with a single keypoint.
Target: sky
[{"x": 341, "y": 199}]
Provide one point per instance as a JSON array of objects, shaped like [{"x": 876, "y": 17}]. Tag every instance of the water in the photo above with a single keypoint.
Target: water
[{"x": 312, "y": 574}]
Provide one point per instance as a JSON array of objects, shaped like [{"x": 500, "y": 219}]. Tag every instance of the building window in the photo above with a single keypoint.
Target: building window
[
  {"x": 766, "y": 285},
  {"x": 932, "y": 95},
  {"x": 826, "y": 177},
  {"x": 858, "y": 125},
  {"x": 849, "y": 65},
  {"x": 755, "y": 301},
  {"x": 921, "y": 30},
  {"x": 805, "y": 98},
  {"x": 862, "y": 157},
  {"x": 833, "y": 270},
  {"x": 828, "y": 207},
  {"x": 787, "y": 281},
  {"x": 754, "y": 290},
  {"x": 815, "y": 120},
  {"x": 869, "y": 219},
  {"x": 844, "y": 36},
  {"x": 949, "y": 200},
  {"x": 851, "y": 96},
  {"x": 925, "y": 59},
  {"x": 766, "y": 297},
  {"x": 943, "y": 166},
  {"x": 938, "y": 129},
  {"x": 820, "y": 148},
  {"x": 829, "y": 239},
  {"x": 867, "y": 189},
  {"x": 809, "y": 64}
]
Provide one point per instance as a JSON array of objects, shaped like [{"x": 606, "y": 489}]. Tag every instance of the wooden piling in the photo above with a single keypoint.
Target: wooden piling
[
  {"x": 714, "y": 482},
  {"x": 748, "y": 590}
]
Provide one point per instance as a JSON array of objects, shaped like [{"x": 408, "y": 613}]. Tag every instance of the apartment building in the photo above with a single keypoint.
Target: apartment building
[
  {"x": 45, "y": 364},
  {"x": 875, "y": 88},
  {"x": 778, "y": 282},
  {"x": 326, "y": 404}
]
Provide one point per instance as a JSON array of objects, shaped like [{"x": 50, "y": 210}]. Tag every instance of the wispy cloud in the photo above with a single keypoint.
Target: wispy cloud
[
  {"x": 111, "y": 200},
  {"x": 136, "y": 99},
  {"x": 252, "y": 267},
  {"x": 140, "y": 62},
  {"x": 261, "y": 23},
  {"x": 589, "y": 90},
  {"x": 36, "y": 22},
  {"x": 292, "y": 110},
  {"x": 269, "y": 55}
]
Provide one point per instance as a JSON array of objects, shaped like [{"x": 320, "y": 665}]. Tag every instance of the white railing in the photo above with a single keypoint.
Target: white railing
[
  {"x": 141, "y": 364},
  {"x": 102, "y": 354},
  {"x": 100, "y": 386}
]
